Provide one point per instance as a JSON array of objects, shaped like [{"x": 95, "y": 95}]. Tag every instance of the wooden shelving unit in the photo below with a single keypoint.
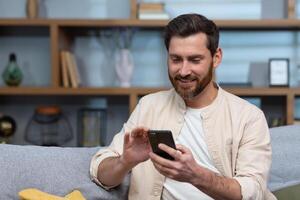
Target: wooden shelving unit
[{"x": 60, "y": 39}]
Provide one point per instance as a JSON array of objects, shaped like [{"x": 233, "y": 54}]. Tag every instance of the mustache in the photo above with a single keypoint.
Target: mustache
[{"x": 185, "y": 78}]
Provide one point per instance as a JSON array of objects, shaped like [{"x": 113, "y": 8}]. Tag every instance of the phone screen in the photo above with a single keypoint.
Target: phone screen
[{"x": 161, "y": 136}]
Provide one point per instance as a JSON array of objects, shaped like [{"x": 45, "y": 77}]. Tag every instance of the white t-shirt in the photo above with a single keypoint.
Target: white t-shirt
[{"x": 192, "y": 137}]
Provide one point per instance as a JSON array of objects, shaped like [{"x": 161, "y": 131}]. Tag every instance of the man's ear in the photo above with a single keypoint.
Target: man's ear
[{"x": 217, "y": 58}]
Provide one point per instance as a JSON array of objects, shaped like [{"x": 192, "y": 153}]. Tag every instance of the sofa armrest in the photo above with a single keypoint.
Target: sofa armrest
[
  {"x": 290, "y": 193},
  {"x": 285, "y": 157}
]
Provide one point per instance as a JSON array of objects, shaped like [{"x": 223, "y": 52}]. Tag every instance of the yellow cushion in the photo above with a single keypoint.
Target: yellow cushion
[
  {"x": 35, "y": 194},
  {"x": 75, "y": 195}
]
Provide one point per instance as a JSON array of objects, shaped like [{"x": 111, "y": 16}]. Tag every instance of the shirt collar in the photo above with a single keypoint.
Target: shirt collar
[{"x": 207, "y": 110}]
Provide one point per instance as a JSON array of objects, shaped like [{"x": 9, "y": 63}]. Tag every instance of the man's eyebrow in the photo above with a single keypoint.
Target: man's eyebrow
[
  {"x": 174, "y": 55},
  {"x": 196, "y": 56}
]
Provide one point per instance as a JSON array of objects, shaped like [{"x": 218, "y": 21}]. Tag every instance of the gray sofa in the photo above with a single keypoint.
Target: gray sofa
[{"x": 60, "y": 170}]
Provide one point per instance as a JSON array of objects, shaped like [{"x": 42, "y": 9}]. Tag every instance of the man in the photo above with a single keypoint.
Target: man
[{"x": 223, "y": 143}]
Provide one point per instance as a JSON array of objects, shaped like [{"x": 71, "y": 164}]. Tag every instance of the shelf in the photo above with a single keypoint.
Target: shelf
[
  {"x": 259, "y": 24},
  {"x": 83, "y": 22},
  {"x": 114, "y": 91},
  {"x": 296, "y": 91},
  {"x": 223, "y": 24},
  {"x": 136, "y": 91},
  {"x": 264, "y": 91},
  {"x": 24, "y": 22}
]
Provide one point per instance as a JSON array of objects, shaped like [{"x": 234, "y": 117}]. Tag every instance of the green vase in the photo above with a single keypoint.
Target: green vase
[{"x": 12, "y": 74}]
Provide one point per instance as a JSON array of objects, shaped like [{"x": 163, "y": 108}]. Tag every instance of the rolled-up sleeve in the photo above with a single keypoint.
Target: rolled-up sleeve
[
  {"x": 250, "y": 188},
  {"x": 254, "y": 158},
  {"x": 96, "y": 160}
]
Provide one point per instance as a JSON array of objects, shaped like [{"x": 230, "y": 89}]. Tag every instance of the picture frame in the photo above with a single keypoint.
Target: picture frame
[
  {"x": 91, "y": 130},
  {"x": 279, "y": 72}
]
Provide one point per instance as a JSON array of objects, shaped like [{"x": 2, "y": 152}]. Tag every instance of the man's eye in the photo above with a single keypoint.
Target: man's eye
[
  {"x": 196, "y": 61},
  {"x": 176, "y": 60}
]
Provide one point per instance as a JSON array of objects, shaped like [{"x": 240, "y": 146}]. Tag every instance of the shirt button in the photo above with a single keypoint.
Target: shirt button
[
  {"x": 180, "y": 120},
  {"x": 156, "y": 191}
]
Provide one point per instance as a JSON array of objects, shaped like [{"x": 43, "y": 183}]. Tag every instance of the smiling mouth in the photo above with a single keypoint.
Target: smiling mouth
[{"x": 185, "y": 83}]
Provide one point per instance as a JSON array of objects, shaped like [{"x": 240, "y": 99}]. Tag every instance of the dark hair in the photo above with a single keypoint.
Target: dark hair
[{"x": 189, "y": 24}]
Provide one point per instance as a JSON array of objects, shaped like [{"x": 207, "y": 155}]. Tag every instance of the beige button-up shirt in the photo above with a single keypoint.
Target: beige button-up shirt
[{"x": 235, "y": 131}]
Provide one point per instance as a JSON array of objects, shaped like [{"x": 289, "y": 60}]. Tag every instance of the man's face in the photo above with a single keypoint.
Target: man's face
[{"x": 190, "y": 65}]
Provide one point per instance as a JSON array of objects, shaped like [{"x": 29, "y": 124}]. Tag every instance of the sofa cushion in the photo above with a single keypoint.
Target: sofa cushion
[
  {"x": 55, "y": 170},
  {"x": 285, "y": 157}
]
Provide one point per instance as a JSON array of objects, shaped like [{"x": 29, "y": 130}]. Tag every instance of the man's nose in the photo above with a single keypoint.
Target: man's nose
[{"x": 185, "y": 69}]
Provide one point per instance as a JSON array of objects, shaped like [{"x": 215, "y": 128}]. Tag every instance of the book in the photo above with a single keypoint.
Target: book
[
  {"x": 71, "y": 70},
  {"x": 151, "y": 7},
  {"x": 155, "y": 16},
  {"x": 64, "y": 73},
  {"x": 152, "y": 11},
  {"x": 75, "y": 68}
]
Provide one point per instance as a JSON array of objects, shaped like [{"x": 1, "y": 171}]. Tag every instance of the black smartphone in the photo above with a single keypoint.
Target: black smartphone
[{"x": 161, "y": 136}]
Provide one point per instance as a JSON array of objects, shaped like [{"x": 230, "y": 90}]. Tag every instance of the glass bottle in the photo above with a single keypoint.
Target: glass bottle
[{"x": 12, "y": 74}]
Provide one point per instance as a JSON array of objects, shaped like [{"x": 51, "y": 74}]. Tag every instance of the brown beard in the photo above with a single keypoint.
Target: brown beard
[{"x": 201, "y": 84}]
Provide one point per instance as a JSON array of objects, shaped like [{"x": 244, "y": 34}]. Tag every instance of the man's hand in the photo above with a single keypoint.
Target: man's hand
[
  {"x": 183, "y": 168},
  {"x": 136, "y": 147}
]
